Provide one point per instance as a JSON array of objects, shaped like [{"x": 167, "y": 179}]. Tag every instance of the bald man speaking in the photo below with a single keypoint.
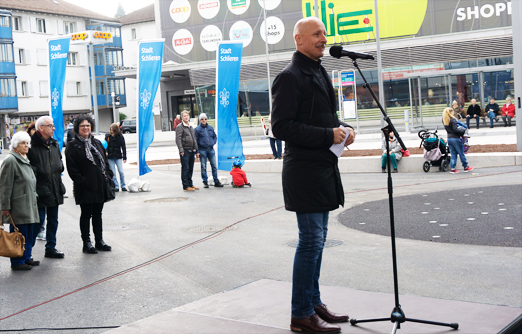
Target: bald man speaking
[{"x": 304, "y": 116}]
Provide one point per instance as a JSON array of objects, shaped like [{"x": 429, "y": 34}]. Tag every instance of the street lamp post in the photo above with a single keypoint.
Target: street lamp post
[{"x": 114, "y": 116}]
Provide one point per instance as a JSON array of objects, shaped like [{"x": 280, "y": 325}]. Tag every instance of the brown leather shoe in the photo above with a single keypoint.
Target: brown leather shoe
[
  {"x": 313, "y": 324},
  {"x": 189, "y": 189},
  {"x": 328, "y": 316},
  {"x": 195, "y": 188}
]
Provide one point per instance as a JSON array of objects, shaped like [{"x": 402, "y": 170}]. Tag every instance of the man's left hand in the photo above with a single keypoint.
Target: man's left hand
[{"x": 351, "y": 138}]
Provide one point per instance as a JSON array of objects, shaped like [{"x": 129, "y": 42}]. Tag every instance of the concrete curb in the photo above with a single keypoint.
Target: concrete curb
[{"x": 411, "y": 164}]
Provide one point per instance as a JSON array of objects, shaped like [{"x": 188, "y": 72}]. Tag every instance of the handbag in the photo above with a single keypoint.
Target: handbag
[
  {"x": 110, "y": 194},
  {"x": 11, "y": 244}
]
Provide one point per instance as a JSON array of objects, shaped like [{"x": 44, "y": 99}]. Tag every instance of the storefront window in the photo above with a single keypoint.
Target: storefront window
[
  {"x": 206, "y": 98},
  {"x": 464, "y": 88},
  {"x": 498, "y": 85},
  {"x": 460, "y": 64},
  {"x": 253, "y": 98},
  {"x": 495, "y": 61}
]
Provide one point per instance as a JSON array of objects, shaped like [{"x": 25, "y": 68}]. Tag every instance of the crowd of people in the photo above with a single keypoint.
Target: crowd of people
[{"x": 491, "y": 111}]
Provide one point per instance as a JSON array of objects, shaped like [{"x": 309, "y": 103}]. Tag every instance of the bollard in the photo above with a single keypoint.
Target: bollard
[{"x": 407, "y": 120}]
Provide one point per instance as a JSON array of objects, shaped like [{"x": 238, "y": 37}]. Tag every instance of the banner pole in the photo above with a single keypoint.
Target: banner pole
[
  {"x": 216, "y": 104},
  {"x": 138, "y": 109}
]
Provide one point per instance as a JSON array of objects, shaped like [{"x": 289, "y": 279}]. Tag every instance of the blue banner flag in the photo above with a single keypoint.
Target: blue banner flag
[
  {"x": 58, "y": 53},
  {"x": 149, "y": 73},
  {"x": 230, "y": 145}
]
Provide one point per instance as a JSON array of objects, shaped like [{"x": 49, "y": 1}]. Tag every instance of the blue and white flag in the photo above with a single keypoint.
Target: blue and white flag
[
  {"x": 150, "y": 55},
  {"x": 228, "y": 68},
  {"x": 58, "y": 53}
]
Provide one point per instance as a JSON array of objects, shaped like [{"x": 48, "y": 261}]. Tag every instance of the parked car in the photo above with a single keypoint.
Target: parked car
[{"x": 128, "y": 126}]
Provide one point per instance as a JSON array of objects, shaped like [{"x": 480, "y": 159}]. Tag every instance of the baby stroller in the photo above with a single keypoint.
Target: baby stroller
[{"x": 436, "y": 151}]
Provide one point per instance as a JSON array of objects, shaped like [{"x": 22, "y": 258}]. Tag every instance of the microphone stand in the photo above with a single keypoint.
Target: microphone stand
[{"x": 397, "y": 316}]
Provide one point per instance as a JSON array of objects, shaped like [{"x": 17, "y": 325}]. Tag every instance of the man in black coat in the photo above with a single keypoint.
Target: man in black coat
[
  {"x": 473, "y": 112},
  {"x": 46, "y": 160},
  {"x": 304, "y": 116}
]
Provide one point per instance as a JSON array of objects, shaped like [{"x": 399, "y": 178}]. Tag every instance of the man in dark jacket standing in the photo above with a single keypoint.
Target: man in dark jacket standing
[
  {"x": 304, "y": 116},
  {"x": 473, "y": 112},
  {"x": 188, "y": 148},
  {"x": 206, "y": 138},
  {"x": 46, "y": 161}
]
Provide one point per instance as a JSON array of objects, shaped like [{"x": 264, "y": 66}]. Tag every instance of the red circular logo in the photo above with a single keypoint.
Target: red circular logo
[{"x": 366, "y": 21}]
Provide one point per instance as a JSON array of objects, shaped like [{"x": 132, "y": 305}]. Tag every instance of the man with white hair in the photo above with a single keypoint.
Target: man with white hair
[
  {"x": 46, "y": 161},
  {"x": 304, "y": 116},
  {"x": 473, "y": 112},
  {"x": 207, "y": 138}
]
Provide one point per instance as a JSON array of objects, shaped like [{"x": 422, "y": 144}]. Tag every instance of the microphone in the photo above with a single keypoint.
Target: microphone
[{"x": 338, "y": 52}]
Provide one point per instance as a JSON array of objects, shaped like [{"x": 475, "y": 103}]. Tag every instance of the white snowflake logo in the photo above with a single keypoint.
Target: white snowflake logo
[
  {"x": 145, "y": 98},
  {"x": 224, "y": 95},
  {"x": 55, "y": 96}
]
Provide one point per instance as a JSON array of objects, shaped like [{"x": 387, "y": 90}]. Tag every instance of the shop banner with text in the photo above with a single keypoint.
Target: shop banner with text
[
  {"x": 58, "y": 53},
  {"x": 150, "y": 55},
  {"x": 230, "y": 145}
]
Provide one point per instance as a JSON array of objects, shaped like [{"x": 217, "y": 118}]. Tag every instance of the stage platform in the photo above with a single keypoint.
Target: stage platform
[{"x": 264, "y": 307}]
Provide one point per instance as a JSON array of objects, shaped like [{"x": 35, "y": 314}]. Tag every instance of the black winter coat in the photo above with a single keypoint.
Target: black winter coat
[
  {"x": 304, "y": 115},
  {"x": 452, "y": 129},
  {"x": 88, "y": 180},
  {"x": 116, "y": 148},
  {"x": 474, "y": 110},
  {"x": 46, "y": 161}
]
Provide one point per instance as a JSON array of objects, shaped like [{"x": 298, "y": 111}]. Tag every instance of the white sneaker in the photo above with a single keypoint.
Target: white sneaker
[
  {"x": 41, "y": 236},
  {"x": 66, "y": 195}
]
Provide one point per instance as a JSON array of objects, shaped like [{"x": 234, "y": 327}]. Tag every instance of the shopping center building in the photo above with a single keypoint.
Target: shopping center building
[{"x": 432, "y": 52}]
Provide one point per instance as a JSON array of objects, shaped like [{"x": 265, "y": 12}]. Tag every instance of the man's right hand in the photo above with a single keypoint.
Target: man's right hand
[
  {"x": 182, "y": 153},
  {"x": 5, "y": 212},
  {"x": 339, "y": 135}
]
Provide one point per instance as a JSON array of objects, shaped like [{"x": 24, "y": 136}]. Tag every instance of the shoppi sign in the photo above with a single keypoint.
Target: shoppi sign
[
  {"x": 58, "y": 53},
  {"x": 228, "y": 68}
]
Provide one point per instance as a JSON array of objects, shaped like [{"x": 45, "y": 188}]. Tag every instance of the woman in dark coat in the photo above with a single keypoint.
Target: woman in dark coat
[
  {"x": 88, "y": 168},
  {"x": 117, "y": 154}
]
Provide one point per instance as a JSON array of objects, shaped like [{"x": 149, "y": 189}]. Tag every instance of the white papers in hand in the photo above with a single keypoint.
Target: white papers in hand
[{"x": 337, "y": 149}]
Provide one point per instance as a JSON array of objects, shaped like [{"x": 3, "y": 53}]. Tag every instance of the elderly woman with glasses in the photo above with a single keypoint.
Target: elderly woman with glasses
[
  {"x": 88, "y": 167},
  {"x": 18, "y": 196}
]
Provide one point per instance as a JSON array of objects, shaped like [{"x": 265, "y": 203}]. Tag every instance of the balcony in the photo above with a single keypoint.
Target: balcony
[
  {"x": 7, "y": 68},
  {"x": 7, "y": 34},
  {"x": 8, "y": 103}
]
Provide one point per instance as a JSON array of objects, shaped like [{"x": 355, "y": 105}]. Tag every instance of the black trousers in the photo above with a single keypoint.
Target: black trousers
[{"x": 94, "y": 211}]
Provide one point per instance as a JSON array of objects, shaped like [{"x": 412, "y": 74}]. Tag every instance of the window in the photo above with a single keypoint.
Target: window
[
  {"x": 117, "y": 86},
  {"x": 69, "y": 27},
  {"x": 74, "y": 89},
  {"x": 41, "y": 56},
  {"x": 114, "y": 58},
  {"x": 72, "y": 59},
  {"x": 100, "y": 87},
  {"x": 44, "y": 88},
  {"x": 22, "y": 56},
  {"x": 133, "y": 33},
  {"x": 17, "y": 23},
  {"x": 40, "y": 25},
  {"x": 115, "y": 31},
  {"x": 6, "y": 52},
  {"x": 7, "y": 88},
  {"x": 4, "y": 21},
  {"x": 25, "y": 89}
]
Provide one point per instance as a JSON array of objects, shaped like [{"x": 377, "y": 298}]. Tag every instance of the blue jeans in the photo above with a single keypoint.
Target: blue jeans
[
  {"x": 313, "y": 228},
  {"x": 277, "y": 152},
  {"x": 491, "y": 116},
  {"x": 393, "y": 160},
  {"x": 52, "y": 226},
  {"x": 117, "y": 163},
  {"x": 468, "y": 118},
  {"x": 27, "y": 232},
  {"x": 209, "y": 154},
  {"x": 187, "y": 167},
  {"x": 456, "y": 147}
]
